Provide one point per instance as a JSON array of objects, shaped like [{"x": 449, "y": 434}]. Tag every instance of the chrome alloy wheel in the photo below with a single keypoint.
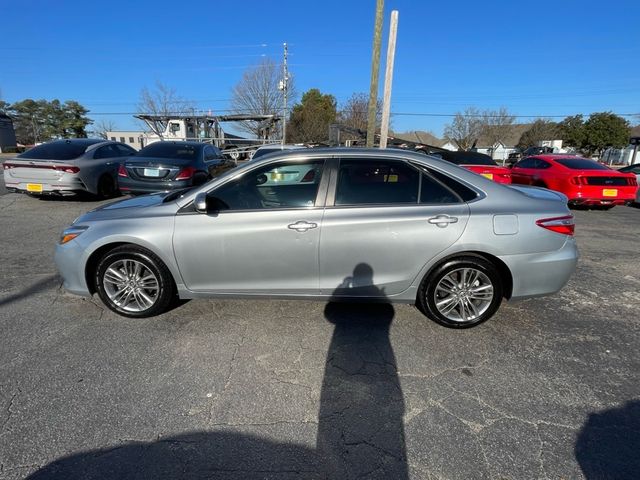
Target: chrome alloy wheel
[
  {"x": 463, "y": 295},
  {"x": 130, "y": 285}
]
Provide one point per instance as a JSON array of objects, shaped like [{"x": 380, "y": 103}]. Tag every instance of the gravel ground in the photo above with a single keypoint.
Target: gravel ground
[{"x": 243, "y": 389}]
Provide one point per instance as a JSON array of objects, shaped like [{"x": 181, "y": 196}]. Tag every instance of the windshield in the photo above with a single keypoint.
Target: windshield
[
  {"x": 57, "y": 151},
  {"x": 581, "y": 164},
  {"x": 170, "y": 150}
]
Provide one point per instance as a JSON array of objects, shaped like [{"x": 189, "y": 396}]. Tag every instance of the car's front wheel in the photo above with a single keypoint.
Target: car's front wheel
[
  {"x": 134, "y": 282},
  {"x": 461, "y": 293}
]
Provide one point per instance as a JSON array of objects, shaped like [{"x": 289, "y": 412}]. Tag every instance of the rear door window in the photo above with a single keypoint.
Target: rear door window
[{"x": 376, "y": 182}]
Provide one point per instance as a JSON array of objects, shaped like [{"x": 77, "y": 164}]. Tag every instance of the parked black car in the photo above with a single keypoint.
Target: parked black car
[{"x": 168, "y": 165}]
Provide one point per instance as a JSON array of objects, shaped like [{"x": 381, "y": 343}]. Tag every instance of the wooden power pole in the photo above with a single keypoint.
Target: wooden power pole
[
  {"x": 375, "y": 67},
  {"x": 388, "y": 79}
]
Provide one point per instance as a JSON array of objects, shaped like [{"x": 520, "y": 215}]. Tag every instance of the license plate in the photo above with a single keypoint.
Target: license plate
[
  {"x": 610, "y": 192},
  {"x": 488, "y": 175},
  {"x": 34, "y": 187},
  {"x": 151, "y": 172}
]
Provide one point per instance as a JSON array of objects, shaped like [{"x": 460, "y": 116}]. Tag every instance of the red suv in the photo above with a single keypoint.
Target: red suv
[{"x": 583, "y": 181}]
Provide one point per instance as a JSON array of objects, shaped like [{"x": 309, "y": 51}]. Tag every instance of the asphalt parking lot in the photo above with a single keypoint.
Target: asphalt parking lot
[{"x": 549, "y": 388}]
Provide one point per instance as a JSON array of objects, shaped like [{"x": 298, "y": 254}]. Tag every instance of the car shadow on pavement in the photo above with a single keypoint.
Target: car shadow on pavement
[
  {"x": 47, "y": 283},
  {"x": 360, "y": 424},
  {"x": 608, "y": 445}
]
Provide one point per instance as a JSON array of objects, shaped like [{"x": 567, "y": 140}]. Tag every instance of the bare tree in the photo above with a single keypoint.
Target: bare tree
[
  {"x": 496, "y": 125},
  {"x": 102, "y": 127},
  {"x": 354, "y": 112},
  {"x": 541, "y": 129},
  {"x": 465, "y": 128},
  {"x": 163, "y": 101},
  {"x": 258, "y": 93}
]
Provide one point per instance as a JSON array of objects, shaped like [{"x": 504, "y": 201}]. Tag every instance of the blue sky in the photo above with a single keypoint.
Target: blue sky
[{"x": 544, "y": 58}]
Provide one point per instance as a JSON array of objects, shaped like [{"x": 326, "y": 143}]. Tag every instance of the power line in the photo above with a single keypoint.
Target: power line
[{"x": 397, "y": 114}]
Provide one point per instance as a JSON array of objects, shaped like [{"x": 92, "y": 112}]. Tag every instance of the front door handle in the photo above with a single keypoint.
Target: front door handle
[
  {"x": 302, "y": 226},
  {"x": 442, "y": 220}
]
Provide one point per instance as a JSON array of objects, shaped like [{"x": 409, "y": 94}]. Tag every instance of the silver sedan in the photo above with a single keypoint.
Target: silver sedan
[
  {"x": 66, "y": 167},
  {"x": 331, "y": 224}
]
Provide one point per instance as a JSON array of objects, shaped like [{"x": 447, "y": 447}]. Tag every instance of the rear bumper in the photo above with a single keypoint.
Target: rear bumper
[
  {"x": 539, "y": 274},
  {"x": 599, "y": 201},
  {"x": 592, "y": 195},
  {"x": 128, "y": 185},
  {"x": 67, "y": 188}
]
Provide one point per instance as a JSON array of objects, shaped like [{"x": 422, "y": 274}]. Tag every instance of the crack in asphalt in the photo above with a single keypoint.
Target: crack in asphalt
[{"x": 8, "y": 410}]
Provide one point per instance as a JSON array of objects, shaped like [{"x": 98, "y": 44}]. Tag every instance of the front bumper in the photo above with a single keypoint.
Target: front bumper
[
  {"x": 538, "y": 274},
  {"x": 70, "y": 260}
]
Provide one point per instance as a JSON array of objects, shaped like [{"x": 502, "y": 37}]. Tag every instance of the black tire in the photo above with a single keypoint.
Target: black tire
[
  {"x": 166, "y": 291},
  {"x": 428, "y": 291},
  {"x": 106, "y": 187}
]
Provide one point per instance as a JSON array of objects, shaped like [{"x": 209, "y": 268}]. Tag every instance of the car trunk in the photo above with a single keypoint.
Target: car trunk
[
  {"x": 492, "y": 172},
  {"x": 38, "y": 170},
  {"x": 155, "y": 169}
]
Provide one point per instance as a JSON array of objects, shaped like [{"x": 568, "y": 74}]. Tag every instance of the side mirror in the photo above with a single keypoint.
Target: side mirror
[
  {"x": 200, "y": 203},
  {"x": 204, "y": 203}
]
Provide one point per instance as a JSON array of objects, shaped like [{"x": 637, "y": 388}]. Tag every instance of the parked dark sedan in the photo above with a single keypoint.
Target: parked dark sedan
[{"x": 168, "y": 165}]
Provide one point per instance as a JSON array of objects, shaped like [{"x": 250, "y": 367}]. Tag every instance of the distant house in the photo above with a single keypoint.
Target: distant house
[
  {"x": 132, "y": 138},
  {"x": 500, "y": 150},
  {"x": 7, "y": 133}
]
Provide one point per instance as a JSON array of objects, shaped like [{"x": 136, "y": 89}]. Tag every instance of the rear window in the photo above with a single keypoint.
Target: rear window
[
  {"x": 170, "y": 150},
  {"x": 265, "y": 151},
  {"x": 581, "y": 164},
  {"x": 56, "y": 151}
]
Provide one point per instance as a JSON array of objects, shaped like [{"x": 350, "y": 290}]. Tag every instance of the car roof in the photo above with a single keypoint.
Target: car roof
[
  {"x": 556, "y": 156},
  {"x": 181, "y": 142},
  {"x": 80, "y": 141}
]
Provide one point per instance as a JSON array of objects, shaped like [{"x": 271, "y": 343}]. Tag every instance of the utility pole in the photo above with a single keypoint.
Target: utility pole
[
  {"x": 375, "y": 67},
  {"x": 388, "y": 79},
  {"x": 284, "y": 85}
]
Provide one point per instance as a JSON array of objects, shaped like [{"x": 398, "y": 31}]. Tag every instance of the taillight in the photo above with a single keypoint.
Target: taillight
[
  {"x": 7, "y": 166},
  {"x": 563, "y": 225},
  {"x": 186, "y": 173},
  {"x": 632, "y": 181},
  {"x": 122, "y": 171},
  {"x": 67, "y": 169},
  {"x": 578, "y": 180}
]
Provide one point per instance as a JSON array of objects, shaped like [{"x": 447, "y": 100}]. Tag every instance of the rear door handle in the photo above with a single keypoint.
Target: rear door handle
[
  {"x": 302, "y": 226},
  {"x": 442, "y": 220}
]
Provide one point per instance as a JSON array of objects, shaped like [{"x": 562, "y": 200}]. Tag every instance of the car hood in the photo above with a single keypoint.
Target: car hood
[
  {"x": 537, "y": 192},
  {"x": 145, "y": 205}
]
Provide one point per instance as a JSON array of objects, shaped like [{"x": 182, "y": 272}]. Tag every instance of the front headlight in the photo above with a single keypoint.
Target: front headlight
[{"x": 71, "y": 233}]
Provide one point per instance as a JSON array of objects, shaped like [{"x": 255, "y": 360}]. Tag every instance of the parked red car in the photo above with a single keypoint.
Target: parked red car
[
  {"x": 585, "y": 182},
  {"x": 477, "y": 163}
]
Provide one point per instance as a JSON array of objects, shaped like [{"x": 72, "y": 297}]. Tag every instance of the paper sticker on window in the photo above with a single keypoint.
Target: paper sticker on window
[{"x": 391, "y": 178}]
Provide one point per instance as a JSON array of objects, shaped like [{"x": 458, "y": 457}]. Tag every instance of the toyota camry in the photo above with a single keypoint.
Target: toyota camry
[{"x": 329, "y": 224}]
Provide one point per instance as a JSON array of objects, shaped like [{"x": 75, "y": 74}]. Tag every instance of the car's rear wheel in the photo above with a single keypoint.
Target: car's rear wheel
[
  {"x": 461, "y": 293},
  {"x": 134, "y": 282},
  {"x": 106, "y": 186}
]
